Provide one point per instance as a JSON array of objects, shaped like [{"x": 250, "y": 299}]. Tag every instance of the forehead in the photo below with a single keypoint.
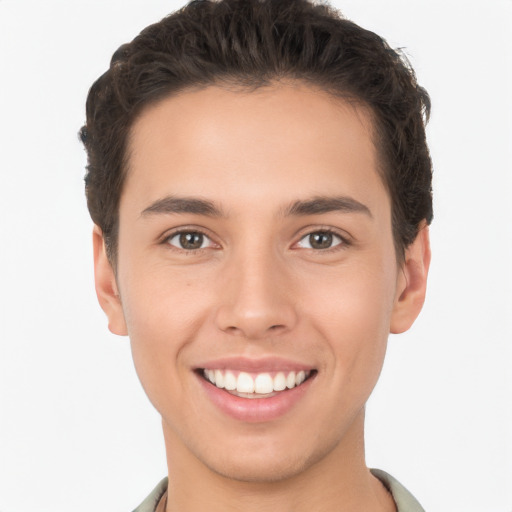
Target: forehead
[{"x": 277, "y": 143}]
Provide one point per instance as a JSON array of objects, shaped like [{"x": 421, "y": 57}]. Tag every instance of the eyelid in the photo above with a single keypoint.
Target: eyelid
[
  {"x": 168, "y": 235},
  {"x": 346, "y": 239}
]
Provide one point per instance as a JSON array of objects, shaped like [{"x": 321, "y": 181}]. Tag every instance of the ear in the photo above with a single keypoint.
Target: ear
[
  {"x": 106, "y": 286},
  {"x": 412, "y": 283}
]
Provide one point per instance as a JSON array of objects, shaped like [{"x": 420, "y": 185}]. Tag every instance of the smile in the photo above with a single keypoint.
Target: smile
[
  {"x": 256, "y": 390},
  {"x": 255, "y": 385}
]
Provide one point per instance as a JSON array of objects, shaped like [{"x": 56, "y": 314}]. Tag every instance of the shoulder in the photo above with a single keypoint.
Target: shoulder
[
  {"x": 405, "y": 501},
  {"x": 151, "y": 502}
]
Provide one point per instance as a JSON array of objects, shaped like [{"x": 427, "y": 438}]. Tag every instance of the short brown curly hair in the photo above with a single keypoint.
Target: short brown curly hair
[{"x": 253, "y": 43}]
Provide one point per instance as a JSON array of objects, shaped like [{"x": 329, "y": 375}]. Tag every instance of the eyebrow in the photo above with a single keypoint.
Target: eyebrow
[
  {"x": 315, "y": 206},
  {"x": 173, "y": 204},
  {"x": 326, "y": 204}
]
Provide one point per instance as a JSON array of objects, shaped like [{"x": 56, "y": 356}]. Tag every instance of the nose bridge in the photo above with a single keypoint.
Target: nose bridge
[{"x": 256, "y": 299}]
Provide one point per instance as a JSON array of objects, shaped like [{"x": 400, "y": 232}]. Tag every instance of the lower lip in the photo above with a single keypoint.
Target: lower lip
[{"x": 255, "y": 410}]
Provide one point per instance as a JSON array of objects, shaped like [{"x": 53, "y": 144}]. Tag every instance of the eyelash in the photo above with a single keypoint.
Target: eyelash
[
  {"x": 344, "y": 242},
  {"x": 190, "y": 231}
]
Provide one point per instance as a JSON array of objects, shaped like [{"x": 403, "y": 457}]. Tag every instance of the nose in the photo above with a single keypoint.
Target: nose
[{"x": 257, "y": 299}]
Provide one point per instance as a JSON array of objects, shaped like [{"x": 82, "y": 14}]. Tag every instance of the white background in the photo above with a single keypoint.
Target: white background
[{"x": 76, "y": 431}]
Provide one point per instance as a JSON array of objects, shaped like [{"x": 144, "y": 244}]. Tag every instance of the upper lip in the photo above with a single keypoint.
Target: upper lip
[{"x": 254, "y": 364}]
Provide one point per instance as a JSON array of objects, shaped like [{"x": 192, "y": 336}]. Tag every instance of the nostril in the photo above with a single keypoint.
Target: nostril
[{"x": 255, "y": 321}]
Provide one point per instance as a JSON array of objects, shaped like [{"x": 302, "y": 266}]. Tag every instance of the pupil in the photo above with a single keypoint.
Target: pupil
[
  {"x": 320, "y": 240},
  {"x": 191, "y": 240}
]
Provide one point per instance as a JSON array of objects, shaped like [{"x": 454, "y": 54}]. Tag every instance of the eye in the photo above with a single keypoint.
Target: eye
[
  {"x": 189, "y": 240},
  {"x": 320, "y": 240}
]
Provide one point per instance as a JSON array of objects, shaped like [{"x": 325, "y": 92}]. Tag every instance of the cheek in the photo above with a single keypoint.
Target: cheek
[
  {"x": 355, "y": 298},
  {"x": 163, "y": 313},
  {"x": 353, "y": 312},
  {"x": 161, "y": 302}
]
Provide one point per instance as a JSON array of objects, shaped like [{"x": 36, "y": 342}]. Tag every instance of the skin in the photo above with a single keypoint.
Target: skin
[{"x": 257, "y": 288}]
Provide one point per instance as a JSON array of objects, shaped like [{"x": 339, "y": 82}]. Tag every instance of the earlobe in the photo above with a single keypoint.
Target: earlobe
[
  {"x": 412, "y": 283},
  {"x": 106, "y": 286}
]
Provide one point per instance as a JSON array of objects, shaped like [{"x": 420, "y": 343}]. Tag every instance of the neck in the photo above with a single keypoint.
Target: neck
[{"x": 337, "y": 482}]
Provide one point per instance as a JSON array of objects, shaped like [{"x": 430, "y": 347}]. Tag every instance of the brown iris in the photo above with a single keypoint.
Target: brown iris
[
  {"x": 320, "y": 240},
  {"x": 192, "y": 240}
]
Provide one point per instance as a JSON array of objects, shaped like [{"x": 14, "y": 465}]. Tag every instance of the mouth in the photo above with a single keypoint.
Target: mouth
[
  {"x": 255, "y": 385},
  {"x": 257, "y": 390}
]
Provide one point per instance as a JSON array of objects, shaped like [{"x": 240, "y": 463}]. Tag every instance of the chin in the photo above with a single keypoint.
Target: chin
[
  {"x": 264, "y": 464},
  {"x": 260, "y": 471}
]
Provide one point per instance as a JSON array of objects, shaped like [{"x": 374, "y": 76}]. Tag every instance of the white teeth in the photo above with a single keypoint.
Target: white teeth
[
  {"x": 229, "y": 381},
  {"x": 260, "y": 384},
  {"x": 219, "y": 379},
  {"x": 244, "y": 384},
  {"x": 300, "y": 378},
  {"x": 263, "y": 384},
  {"x": 279, "y": 382}
]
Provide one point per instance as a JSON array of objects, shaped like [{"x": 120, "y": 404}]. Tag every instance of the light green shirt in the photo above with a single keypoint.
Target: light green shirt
[{"x": 405, "y": 501}]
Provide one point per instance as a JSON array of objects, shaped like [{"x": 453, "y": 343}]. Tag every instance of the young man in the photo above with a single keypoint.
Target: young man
[{"x": 261, "y": 190}]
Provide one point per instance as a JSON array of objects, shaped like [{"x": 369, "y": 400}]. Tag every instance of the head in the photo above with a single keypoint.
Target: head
[
  {"x": 249, "y": 45},
  {"x": 260, "y": 181}
]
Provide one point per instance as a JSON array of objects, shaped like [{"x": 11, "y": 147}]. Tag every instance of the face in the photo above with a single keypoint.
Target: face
[{"x": 257, "y": 276}]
